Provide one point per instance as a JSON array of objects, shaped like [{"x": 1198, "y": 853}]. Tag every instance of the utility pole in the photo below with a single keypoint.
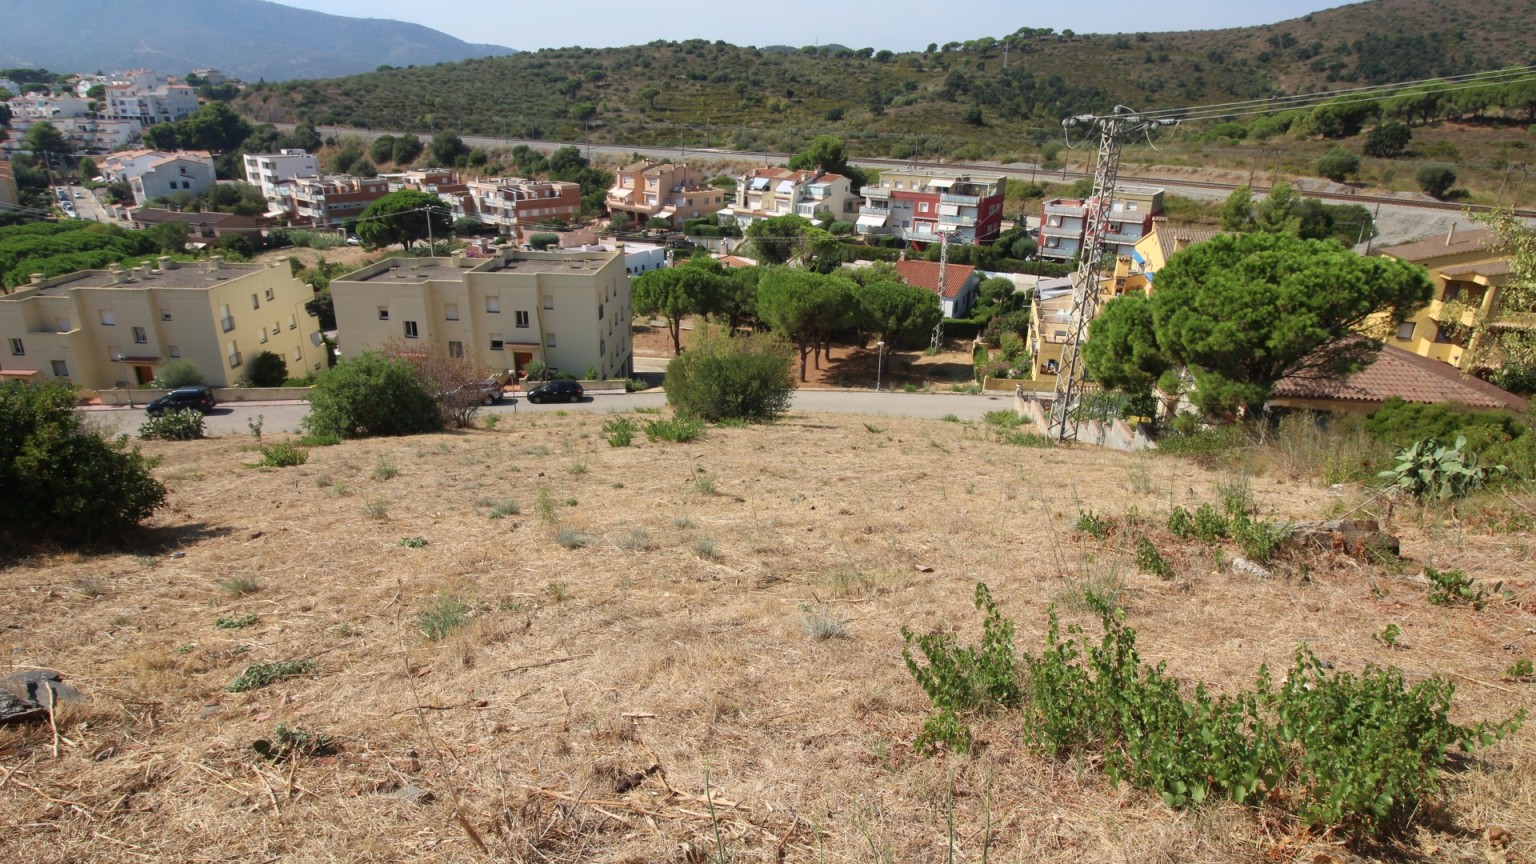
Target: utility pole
[
  {"x": 938, "y": 330},
  {"x": 1114, "y": 129}
]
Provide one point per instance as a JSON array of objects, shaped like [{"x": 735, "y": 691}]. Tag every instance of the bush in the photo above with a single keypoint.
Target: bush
[
  {"x": 959, "y": 679},
  {"x": 721, "y": 377},
  {"x": 620, "y": 431},
  {"x": 369, "y": 395},
  {"x": 541, "y": 242},
  {"x": 679, "y": 430},
  {"x": 178, "y": 373},
  {"x": 1436, "y": 179},
  {"x": 62, "y": 481},
  {"x": 185, "y": 424},
  {"x": 267, "y": 370},
  {"x": 283, "y": 454}
]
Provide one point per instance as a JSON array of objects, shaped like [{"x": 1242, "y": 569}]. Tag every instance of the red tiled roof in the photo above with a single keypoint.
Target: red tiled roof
[
  {"x": 1407, "y": 376},
  {"x": 1430, "y": 248},
  {"x": 925, "y": 274}
]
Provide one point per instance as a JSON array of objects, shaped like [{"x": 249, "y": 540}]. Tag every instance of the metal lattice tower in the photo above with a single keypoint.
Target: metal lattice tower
[{"x": 1114, "y": 129}]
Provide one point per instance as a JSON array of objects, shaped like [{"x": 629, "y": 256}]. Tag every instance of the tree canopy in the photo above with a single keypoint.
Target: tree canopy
[
  {"x": 44, "y": 137},
  {"x": 1242, "y": 311},
  {"x": 675, "y": 293},
  {"x": 404, "y": 217},
  {"x": 892, "y": 311},
  {"x": 804, "y": 306}
]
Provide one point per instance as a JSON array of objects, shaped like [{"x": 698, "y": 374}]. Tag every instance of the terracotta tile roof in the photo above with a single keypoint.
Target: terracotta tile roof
[
  {"x": 1176, "y": 238},
  {"x": 925, "y": 274},
  {"x": 1430, "y": 248},
  {"x": 1408, "y": 377},
  {"x": 1484, "y": 268}
]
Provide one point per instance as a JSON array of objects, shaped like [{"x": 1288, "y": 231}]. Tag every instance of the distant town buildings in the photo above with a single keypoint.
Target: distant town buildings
[
  {"x": 1064, "y": 222},
  {"x": 767, "y": 192},
  {"x": 328, "y": 201},
  {"x": 647, "y": 190},
  {"x": 147, "y": 97},
  {"x": 271, "y": 172}
]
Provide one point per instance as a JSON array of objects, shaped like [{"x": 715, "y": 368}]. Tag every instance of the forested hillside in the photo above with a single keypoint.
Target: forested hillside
[{"x": 991, "y": 95}]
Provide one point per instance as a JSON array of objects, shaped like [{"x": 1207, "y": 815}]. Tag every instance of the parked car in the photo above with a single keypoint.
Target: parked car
[
  {"x": 197, "y": 398},
  {"x": 353, "y": 241},
  {"x": 556, "y": 391},
  {"x": 79, "y": 193}
]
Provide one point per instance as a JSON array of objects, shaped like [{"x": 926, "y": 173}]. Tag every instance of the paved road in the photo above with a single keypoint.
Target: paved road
[{"x": 234, "y": 418}]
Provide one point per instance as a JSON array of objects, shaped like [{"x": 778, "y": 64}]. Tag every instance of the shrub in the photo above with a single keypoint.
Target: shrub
[
  {"x": 722, "y": 377},
  {"x": 261, "y": 675},
  {"x": 370, "y": 395},
  {"x": 1454, "y": 588},
  {"x": 446, "y": 615},
  {"x": 283, "y": 454},
  {"x": 1436, "y": 179},
  {"x": 679, "y": 430},
  {"x": 64, "y": 482},
  {"x": 267, "y": 370},
  {"x": 1149, "y": 560},
  {"x": 178, "y": 373},
  {"x": 1429, "y": 469},
  {"x": 620, "y": 431},
  {"x": 959, "y": 679},
  {"x": 1092, "y": 524},
  {"x": 288, "y": 744},
  {"x": 234, "y": 622},
  {"x": 185, "y": 424}
]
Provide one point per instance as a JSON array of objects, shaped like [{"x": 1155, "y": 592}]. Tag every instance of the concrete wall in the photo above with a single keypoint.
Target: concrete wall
[{"x": 222, "y": 394}]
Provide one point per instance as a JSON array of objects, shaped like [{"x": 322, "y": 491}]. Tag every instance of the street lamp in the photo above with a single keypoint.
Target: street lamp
[{"x": 879, "y": 362}]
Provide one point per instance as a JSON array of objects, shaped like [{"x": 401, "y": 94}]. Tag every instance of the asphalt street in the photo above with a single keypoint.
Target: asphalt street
[{"x": 234, "y": 417}]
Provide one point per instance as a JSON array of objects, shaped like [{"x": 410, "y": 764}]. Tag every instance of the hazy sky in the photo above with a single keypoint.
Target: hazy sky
[{"x": 900, "y": 25}]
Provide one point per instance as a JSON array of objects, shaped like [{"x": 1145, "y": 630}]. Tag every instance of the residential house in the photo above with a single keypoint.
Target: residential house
[
  {"x": 155, "y": 174},
  {"x": 1138, "y": 270},
  {"x": 956, "y": 284},
  {"x": 674, "y": 192},
  {"x": 1468, "y": 274},
  {"x": 515, "y": 205},
  {"x": 434, "y": 181},
  {"x": 638, "y": 257},
  {"x": 766, "y": 192},
  {"x": 202, "y": 228},
  {"x": 1050, "y": 318},
  {"x": 570, "y": 311},
  {"x": 116, "y": 327},
  {"x": 920, "y": 204},
  {"x": 147, "y": 98},
  {"x": 211, "y": 77},
  {"x": 1394, "y": 373},
  {"x": 269, "y": 171},
  {"x": 330, "y": 200},
  {"x": 1064, "y": 222}
]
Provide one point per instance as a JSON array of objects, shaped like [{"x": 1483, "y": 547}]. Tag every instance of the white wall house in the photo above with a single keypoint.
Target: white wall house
[
  {"x": 273, "y": 171},
  {"x": 185, "y": 171}
]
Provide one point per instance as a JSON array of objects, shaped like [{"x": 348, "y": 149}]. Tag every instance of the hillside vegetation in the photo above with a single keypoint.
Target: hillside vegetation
[{"x": 989, "y": 96}]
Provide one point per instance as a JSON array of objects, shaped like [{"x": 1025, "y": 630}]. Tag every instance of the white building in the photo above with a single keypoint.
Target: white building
[
  {"x": 182, "y": 171},
  {"x": 271, "y": 172},
  {"x": 12, "y": 87},
  {"x": 147, "y": 98}
]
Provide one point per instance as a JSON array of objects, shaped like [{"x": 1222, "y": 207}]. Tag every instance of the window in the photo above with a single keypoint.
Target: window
[
  {"x": 293, "y": 322},
  {"x": 493, "y": 304},
  {"x": 234, "y": 355},
  {"x": 599, "y": 311},
  {"x": 108, "y": 319},
  {"x": 277, "y": 327},
  {"x": 549, "y": 301},
  {"x": 269, "y": 293},
  {"x": 17, "y": 348},
  {"x": 410, "y": 330},
  {"x": 451, "y": 311},
  {"x": 1405, "y": 330},
  {"x": 298, "y": 354},
  {"x": 455, "y": 349},
  {"x": 263, "y": 336},
  {"x": 255, "y": 302},
  {"x": 496, "y": 342},
  {"x": 522, "y": 318},
  {"x": 165, "y": 314},
  {"x": 60, "y": 369},
  {"x": 383, "y": 313},
  {"x": 173, "y": 350},
  {"x": 602, "y": 347},
  {"x": 139, "y": 336},
  {"x": 549, "y": 340},
  {"x": 922, "y": 206}
]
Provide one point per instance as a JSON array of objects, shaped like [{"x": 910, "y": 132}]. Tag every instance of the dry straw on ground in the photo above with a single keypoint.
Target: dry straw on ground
[{"x": 576, "y": 715}]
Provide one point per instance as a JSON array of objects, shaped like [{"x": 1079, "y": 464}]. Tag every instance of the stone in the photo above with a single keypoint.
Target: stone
[
  {"x": 413, "y": 794},
  {"x": 1359, "y": 538},
  {"x": 22, "y": 696},
  {"x": 1244, "y": 567},
  {"x": 210, "y": 710}
]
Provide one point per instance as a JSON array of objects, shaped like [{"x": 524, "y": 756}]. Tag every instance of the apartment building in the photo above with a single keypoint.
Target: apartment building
[
  {"x": 766, "y": 192},
  {"x": 435, "y": 181},
  {"x": 569, "y": 310},
  {"x": 330, "y": 200},
  {"x": 147, "y": 98},
  {"x": 1064, "y": 222},
  {"x": 116, "y": 327},
  {"x": 647, "y": 190},
  {"x": 921, "y": 204},
  {"x": 269, "y": 171},
  {"x": 156, "y": 173},
  {"x": 1468, "y": 273},
  {"x": 513, "y": 204}
]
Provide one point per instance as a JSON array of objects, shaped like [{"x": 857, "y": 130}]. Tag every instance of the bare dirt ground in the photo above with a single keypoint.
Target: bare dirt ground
[
  {"x": 354, "y": 256},
  {"x": 617, "y": 681},
  {"x": 847, "y": 365}
]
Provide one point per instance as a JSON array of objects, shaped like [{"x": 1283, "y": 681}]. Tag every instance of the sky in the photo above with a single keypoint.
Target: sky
[{"x": 899, "y": 25}]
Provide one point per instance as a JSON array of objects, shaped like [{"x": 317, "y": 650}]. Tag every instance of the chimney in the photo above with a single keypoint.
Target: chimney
[
  {"x": 1451, "y": 234},
  {"x": 115, "y": 271},
  {"x": 216, "y": 262},
  {"x": 166, "y": 262},
  {"x": 37, "y": 278}
]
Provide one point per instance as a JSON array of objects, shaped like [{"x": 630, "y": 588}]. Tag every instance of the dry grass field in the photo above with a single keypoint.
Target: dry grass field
[{"x": 640, "y": 651}]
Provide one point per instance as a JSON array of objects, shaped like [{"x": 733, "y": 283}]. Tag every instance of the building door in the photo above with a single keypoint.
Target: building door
[
  {"x": 521, "y": 359},
  {"x": 144, "y": 374}
]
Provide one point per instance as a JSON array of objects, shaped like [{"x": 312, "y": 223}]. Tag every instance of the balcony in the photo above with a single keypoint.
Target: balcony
[
  {"x": 227, "y": 323},
  {"x": 875, "y": 192},
  {"x": 965, "y": 221},
  {"x": 235, "y": 360},
  {"x": 964, "y": 200}
]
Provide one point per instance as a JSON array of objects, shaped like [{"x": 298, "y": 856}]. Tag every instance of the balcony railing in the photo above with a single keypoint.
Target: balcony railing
[
  {"x": 969, "y": 200},
  {"x": 969, "y": 221},
  {"x": 227, "y": 323},
  {"x": 875, "y": 192}
]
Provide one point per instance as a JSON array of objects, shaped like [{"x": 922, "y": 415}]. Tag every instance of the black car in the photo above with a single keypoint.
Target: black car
[
  {"x": 182, "y": 398},
  {"x": 556, "y": 391}
]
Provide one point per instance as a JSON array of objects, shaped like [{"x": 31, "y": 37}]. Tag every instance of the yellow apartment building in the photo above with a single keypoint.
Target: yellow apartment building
[
  {"x": 568, "y": 310},
  {"x": 1467, "y": 274},
  {"x": 116, "y": 327}
]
